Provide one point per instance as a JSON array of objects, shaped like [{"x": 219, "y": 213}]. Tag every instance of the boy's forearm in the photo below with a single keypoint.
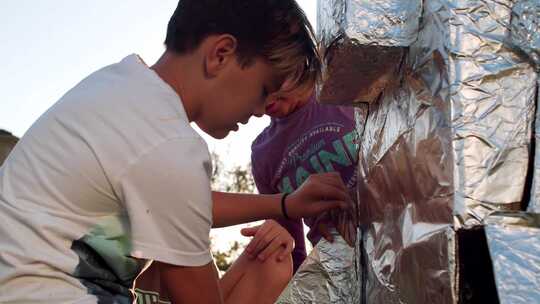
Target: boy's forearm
[{"x": 233, "y": 209}]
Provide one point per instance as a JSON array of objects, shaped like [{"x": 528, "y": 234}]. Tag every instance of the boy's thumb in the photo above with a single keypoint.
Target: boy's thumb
[
  {"x": 250, "y": 231},
  {"x": 329, "y": 205}
]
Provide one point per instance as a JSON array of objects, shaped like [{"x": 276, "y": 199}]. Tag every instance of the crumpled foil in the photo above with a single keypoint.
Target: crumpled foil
[
  {"x": 514, "y": 245},
  {"x": 370, "y": 22},
  {"x": 406, "y": 184},
  {"x": 329, "y": 275},
  {"x": 525, "y": 35},
  {"x": 363, "y": 44},
  {"x": 525, "y": 31},
  {"x": 406, "y": 194},
  {"x": 534, "y": 202},
  {"x": 492, "y": 92},
  {"x": 445, "y": 140}
]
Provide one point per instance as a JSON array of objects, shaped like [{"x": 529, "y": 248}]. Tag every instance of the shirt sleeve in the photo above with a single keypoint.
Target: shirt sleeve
[{"x": 166, "y": 193}]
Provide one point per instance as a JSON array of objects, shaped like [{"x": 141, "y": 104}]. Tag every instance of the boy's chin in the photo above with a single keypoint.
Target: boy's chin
[{"x": 219, "y": 134}]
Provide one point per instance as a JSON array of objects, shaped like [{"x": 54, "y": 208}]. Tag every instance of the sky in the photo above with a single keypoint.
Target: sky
[{"x": 47, "y": 47}]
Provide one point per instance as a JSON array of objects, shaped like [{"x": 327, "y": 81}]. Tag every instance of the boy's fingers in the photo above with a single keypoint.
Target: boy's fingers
[
  {"x": 250, "y": 231},
  {"x": 259, "y": 239},
  {"x": 332, "y": 192},
  {"x": 289, "y": 246},
  {"x": 332, "y": 178},
  {"x": 325, "y": 232},
  {"x": 271, "y": 237},
  {"x": 329, "y": 205},
  {"x": 271, "y": 248},
  {"x": 266, "y": 241},
  {"x": 253, "y": 244}
]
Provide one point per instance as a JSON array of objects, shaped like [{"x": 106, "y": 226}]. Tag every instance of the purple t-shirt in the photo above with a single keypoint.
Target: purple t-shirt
[{"x": 314, "y": 139}]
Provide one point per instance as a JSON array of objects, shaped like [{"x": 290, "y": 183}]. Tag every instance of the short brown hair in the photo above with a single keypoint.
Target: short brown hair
[{"x": 275, "y": 30}]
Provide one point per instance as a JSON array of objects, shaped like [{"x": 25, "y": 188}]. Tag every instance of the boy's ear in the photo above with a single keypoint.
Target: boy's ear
[{"x": 220, "y": 51}]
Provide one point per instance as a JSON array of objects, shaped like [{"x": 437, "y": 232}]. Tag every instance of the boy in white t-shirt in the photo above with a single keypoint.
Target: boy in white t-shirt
[{"x": 113, "y": 175}]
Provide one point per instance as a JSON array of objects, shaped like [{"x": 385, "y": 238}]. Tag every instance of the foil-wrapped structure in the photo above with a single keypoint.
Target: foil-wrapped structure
[
  {"x": 525, "y": 36},
  {"x": 362, "y": 42},
  {"x": 328, "y": 276},
  {"x": 514, "y": 247},
  {"x": 534, "y": 202},
  {"x": 446, "y": 91}
]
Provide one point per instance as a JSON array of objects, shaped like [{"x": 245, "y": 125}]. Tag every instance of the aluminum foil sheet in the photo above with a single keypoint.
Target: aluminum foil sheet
[
  {"x": 406, "y": 177},
  {"x": 445, "y": 140},
  {"x": 370, "y": 22},
  {"x": 358, "y": 74},
  {"x": 329, "y": 275},
  {"x": 363, "y": 43},
  {"x": 406, "y": 196},
  {"x": 525, "y": 31},
  {"x": 525, "y": 35},
  {"x": 514, "y": 245},
  {"x": 534, "y": 202},
  {"x": 492, "y": 93}
]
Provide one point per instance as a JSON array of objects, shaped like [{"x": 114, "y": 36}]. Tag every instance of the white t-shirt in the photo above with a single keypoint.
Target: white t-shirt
[{"x": 112, "y": 171}]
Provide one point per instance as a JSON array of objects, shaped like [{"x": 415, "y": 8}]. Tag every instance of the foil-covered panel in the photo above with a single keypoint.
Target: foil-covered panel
[
  {"x": 514, "y": 245},
  {"x": 418, "y": 273},
  {"x": 363, "y": 43},
  {"x": 492, "y": 93},
  {"x": 354, "y": 73},
  {"x": 525, "y": 31},
  {"x": 447, "y": 132},
  {"x": 406, "y": 193},
  {"x": 331, "y": 20},
  {"x": 329, "y": 275},
  {"x": 406, "y": 177},
  {"x": 370, "y": 22},
  {"x": 534, "y": 202},
  {"x": 525, "y": 35}
]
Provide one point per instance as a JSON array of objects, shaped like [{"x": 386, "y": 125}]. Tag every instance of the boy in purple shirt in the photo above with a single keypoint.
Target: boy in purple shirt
[{"x": 303, "y": 138}]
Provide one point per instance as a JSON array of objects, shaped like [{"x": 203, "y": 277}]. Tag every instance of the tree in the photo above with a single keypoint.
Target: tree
[
  {"x": 224, "y": 259},
  {"x": 238, "y": 179}
]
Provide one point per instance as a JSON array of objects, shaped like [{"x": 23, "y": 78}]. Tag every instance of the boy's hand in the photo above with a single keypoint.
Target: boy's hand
[
  {"x": 267, "y": 239},
  {"x": 323, "y": 227},
  {"x": 343, "y": 222},
  {"x": 319, "y": 193}
]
